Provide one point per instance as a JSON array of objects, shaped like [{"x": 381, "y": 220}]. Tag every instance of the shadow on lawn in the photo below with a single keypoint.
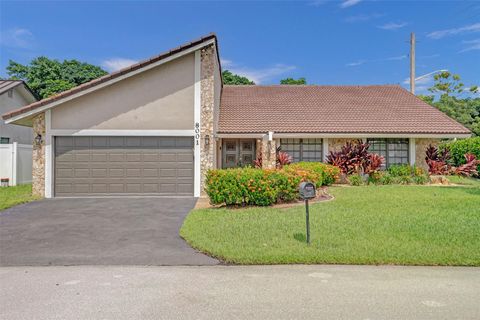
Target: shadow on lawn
[{"x": 300, "y": 237}]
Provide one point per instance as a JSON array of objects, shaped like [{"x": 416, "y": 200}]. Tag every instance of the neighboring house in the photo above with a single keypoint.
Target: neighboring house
[
  {"x": 15, "y": 141},
  {"x": 156, "y": 127},
  {"x": 13, "y": 95}
]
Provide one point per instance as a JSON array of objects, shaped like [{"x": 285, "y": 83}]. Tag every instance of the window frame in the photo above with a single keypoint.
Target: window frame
[
  {"x": 303, "y": 149},
  {"x": 3, "y": 139},
  {"x": 387, "y": 151}
]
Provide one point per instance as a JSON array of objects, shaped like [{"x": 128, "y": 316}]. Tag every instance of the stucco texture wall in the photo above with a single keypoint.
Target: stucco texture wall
[{"x": 161, "y": 98}]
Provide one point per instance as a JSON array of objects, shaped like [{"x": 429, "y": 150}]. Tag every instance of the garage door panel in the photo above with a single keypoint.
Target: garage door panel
[{"x": 89, "y": 166}]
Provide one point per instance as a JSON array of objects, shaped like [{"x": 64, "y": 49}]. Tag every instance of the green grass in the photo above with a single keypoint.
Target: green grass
[
  {"x": 407, "y": 225},
  {"x": 12, "y": 196}
]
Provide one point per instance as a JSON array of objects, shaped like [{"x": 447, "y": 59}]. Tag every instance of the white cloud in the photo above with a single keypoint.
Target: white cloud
[
  {"x": 363, "y": 17},
  {"x": 471, "y": 45},
  {"x": 356, "y": 63},
  {"x": 393, "y": 25},
  {"x": 454, "y": 31},
  {"x": 226, "y": 63},
  {"x": 402, "y": 57},
  {"x": 360, "y": 62},
  {"x": 264, "y": 74},
  {"x": 115, "y": 64},
  {"x": 349, "y": 3},
  {"x": 17, "y": 38}
]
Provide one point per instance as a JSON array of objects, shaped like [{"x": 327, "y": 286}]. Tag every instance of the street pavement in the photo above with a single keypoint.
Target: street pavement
[{"x": 240, "y": 292}]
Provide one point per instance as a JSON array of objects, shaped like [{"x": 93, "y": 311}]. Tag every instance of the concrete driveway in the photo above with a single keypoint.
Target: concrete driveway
[{"x": 97, "y": 231}]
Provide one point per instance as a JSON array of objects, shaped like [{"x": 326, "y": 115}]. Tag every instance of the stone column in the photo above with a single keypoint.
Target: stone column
[
  {"x": 421, "y": 146},
  {"x": 269, "y": 154},
  {"x": 38, "y": 157},
  {"x": 207, "y": 89}
]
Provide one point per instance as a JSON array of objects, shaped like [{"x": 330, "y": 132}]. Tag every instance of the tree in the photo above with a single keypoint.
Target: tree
[
  {"x": 293, "y": 81},
  {"x": 235, "y": 79},
  {"x": 465, "y": 110},
  {"x": 47, "y": 77}
]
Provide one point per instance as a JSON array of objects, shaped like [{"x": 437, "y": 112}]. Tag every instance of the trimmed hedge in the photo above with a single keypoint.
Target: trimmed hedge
[
  {"x": 459, "y": 148},
  {"x": 249, "y": 186}
]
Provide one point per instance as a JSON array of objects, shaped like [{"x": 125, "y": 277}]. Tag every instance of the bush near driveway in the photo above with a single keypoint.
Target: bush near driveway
[
  {"x": 262, "y": 187},
  {"x": 12, "y": 196},
  {"x": 406, "y": 225}
]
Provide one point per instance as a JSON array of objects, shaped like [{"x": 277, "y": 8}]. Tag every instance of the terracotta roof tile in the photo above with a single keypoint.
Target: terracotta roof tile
[{"x": 330, "y": 109}]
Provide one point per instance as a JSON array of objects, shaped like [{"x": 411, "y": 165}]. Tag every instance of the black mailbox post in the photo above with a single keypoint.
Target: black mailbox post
[{"x": 307, "y": 191}]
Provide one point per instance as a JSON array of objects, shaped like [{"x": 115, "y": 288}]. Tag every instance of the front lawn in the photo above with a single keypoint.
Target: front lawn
[
  {"x": 12, "y": 196},
  {"x": 408, "y": 225}
]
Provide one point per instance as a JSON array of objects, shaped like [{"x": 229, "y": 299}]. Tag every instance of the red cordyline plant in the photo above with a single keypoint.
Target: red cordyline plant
[
  {"x": 354, "y": 157},
  {"x": 470, "y": 167},
  {"x": 438, "y": 163}
]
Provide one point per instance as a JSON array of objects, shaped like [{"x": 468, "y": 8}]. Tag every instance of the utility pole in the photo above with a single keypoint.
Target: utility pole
[{"x": 412, "y": 63}]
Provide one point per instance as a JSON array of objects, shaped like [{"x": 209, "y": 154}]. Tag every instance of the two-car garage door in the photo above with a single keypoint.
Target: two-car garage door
[{"x": 97, "y": 166}]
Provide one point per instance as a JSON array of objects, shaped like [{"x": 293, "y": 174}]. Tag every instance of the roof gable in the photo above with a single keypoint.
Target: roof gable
[{"x": 101, "y": 82}]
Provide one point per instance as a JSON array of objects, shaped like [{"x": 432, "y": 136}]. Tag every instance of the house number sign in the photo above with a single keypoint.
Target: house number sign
[{"x": 197, "y": 133}]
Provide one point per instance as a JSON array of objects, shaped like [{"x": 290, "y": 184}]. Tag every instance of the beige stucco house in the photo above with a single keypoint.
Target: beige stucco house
[
  {"x": 14, "y": 94},
  {"x": 155, "y": 128}
]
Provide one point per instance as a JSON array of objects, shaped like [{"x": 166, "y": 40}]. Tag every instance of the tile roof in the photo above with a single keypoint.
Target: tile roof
[
  {"x": 110, "y": 76},
  {"x": 330, "y": 109}
]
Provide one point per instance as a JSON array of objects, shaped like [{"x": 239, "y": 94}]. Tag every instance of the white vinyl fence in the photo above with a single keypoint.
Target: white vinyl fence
[{"x": 16, "y": 163}]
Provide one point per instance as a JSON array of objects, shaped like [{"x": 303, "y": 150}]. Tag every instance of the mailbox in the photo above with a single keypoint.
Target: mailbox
[{"x": 307, "y": 190}]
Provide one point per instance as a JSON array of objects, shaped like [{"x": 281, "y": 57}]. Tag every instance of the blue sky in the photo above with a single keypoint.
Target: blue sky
[{"x": 328, "y": 42}]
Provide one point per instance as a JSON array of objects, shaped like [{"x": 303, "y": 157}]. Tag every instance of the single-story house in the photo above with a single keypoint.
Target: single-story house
[{"x": 156, "y": 127}]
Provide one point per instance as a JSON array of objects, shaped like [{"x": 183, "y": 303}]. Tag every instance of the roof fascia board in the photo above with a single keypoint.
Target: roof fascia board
[
  {"x": 112, "y": 81},
  {"x": 345, "y": 135}
]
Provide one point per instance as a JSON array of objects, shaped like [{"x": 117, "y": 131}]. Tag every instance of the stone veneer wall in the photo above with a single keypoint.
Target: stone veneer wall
[
  {"x": 38, "y": 157},
  {"x": 258, "y": 148},
  {"x": 335, "y": 144},
  {"x": 420, "y": 147},
  {"x": 269, "y": 154},
  {"x": 207, "y": 88}
]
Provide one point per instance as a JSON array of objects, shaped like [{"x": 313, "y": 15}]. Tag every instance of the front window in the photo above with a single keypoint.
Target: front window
[
  {"x": 395, "y": 151},
  {"x": 309, "y": 150},
  {"x": 4, "y": 140}
]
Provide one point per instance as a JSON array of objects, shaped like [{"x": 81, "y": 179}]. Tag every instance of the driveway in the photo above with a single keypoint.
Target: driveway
[{"x": 97, "y": 231}]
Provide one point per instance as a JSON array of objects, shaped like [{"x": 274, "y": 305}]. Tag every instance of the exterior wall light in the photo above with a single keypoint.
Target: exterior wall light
[
  {"x": 38, "y": 139},
  {"x": 207, "y": 140}
]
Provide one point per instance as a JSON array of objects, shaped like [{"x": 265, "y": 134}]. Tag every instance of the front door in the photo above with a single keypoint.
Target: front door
[{"x": 238, "y": 152}]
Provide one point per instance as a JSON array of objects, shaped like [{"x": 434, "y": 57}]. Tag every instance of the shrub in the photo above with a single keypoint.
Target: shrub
[
  {"x": 459, "y": 148},
  {"x": 420, "y": 179},
  {"x": 355, "y": 158},
  {"x": 355, "y": 180},
  {"x": 385, "y": 178},
  {"x": 400, "y": 170},
  {"x": 470, "y": 167},
  {"x": 304, "y": 173},
  {"x": 329, "y": 174},
  {"x": 250, "y": 186},
  {"x": 439, "y": 162}
]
